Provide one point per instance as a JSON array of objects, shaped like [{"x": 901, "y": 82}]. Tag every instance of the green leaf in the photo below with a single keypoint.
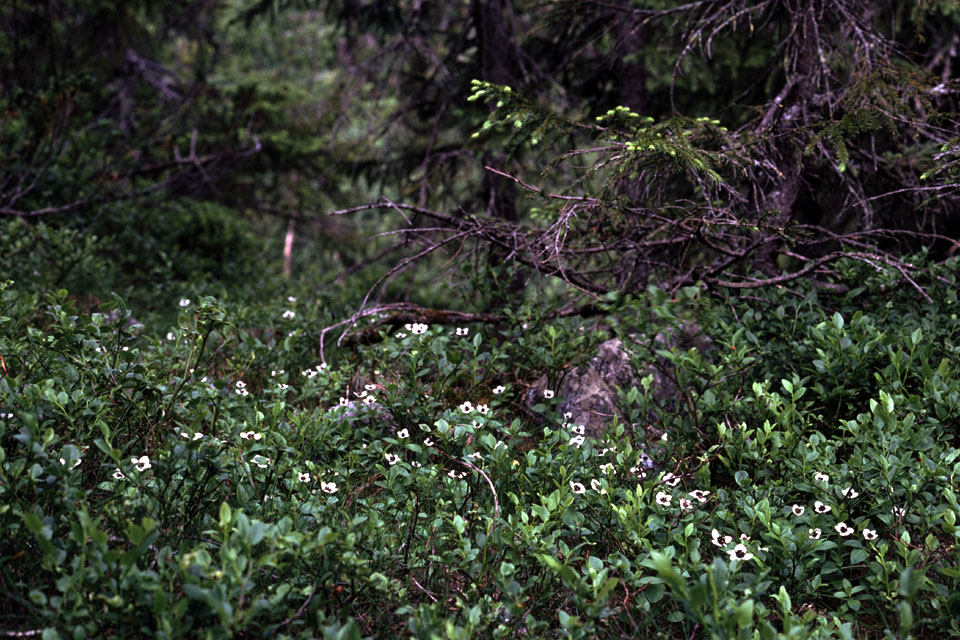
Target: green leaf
[
  {"x": 669, "y": 575},
  {"x": 744, "y": 613},
  {"x": 909, "y": 583},
  {"x": 34, "y": 524},
  {"x": 256, "y": 532},
  {"x": 226, "y": 514},
  {"x": 906, "y": 618}
]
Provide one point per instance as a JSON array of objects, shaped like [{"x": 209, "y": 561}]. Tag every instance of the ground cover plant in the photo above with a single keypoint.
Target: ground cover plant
[
  {"x": 211, "y": 481},
  {"x": 500, "y": 318}
]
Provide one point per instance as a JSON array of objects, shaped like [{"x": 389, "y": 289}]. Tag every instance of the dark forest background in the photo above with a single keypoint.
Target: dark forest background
[{"x": 148, "y": 144}]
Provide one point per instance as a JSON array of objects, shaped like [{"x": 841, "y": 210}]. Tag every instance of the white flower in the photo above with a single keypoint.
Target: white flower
[
  {"x": 700, "y": 495},
  {"x": 171, "y": 336},
  {"x": 482, "y": 409},
  {"x": 466, "y": 407},
  {"x": 814, "y": 534},
  {"x": 843, "y": 529},
  {"x": 242, "y": 392},
  {"x": 369, "y": 400},
  {"x": 142, "y": 463},
  {"x": 250, "y": 435},
  {"x": 291, "y": 299},
  {"x": 392, "y": 459},
  {"x": 869, "y": 534},
  {"x": 645, "y": 460},
  {"x": 415, "y": 464},
  {"x": 288, "y": 314},
  {"x": 670, "y": 480},
  {"x": 343, "y": 402},
  {"x": 576, "y": 441},
  {"x": 303, "y": 477},
  {"x": 664, "y": 437},
  {"x": 740, "y": 552},
  {"x": 608, "y": 468},
  {"x": 720, "y": 541},
  {"x": 403, "y": 433},
  {"x": 577, "y": 487},
  {"x": 578, "y": 429},
  {"x": 321, "y": 366},
  {"x": 408, "y": 327},
  {"x": 283, "y": 387},
  {"x": 596, "y": 486},
  {"x": 457, "y": 475},
  {"x": 797, "y": 509},
  {"x": 277, "y": 372},
  {"x": 849, "y": 492},
  {"x": 118, "y": 475},
  {"x": 75, "y": 464},
  {"x": 462, "y": 331},
  {"x": 400, "y": 335},
  {"x": 744, "y": 537},
  {"x": 686, "y": 504},
  {"x": 497, "y": 390},
  {"x": 240, "y": 384},
  {"x": 663, "y": 499},
  {"x": 547, "y": 393},
  {"x": 822, "y": 477},
  {"x": 637, "y": 471},
  {"x": 899, "y": 512},
  {"x": 428, "y": 442},
  {"x": 261, "y": 461},
  {"x": 417, "y": 329},
  {"x": 309, "y": 373},
  {"x": 819, "y": 507},
  {"x": 328, "y": 487},
  {"x": 370, "y": 387},
  {"x": 184, "y": 302},
  {"x": 196, "y": 436}
]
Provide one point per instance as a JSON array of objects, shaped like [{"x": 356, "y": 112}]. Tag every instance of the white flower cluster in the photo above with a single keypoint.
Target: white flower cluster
[
  {"x": 310, "y": 373},
  {"x": 467, "y": 407},
  {"x": 416, "y": 328},
  {"x": 142, "y": 463},
  {"x": 75, "y": 464}
]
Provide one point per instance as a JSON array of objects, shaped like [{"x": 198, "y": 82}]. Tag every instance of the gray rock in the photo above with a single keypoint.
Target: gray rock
[{"x": 590, "y": 392}]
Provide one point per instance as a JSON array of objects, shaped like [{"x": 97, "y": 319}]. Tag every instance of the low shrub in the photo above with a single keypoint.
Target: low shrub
[{"x": 220, "y": 481}]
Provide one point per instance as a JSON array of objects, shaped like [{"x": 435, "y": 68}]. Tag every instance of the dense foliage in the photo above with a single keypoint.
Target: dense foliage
[
  {"x": 290, "y": 293},
  {"x": 218, "y": 481}
]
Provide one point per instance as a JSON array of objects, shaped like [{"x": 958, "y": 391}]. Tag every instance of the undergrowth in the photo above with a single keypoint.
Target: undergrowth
[{"x": 215, "y": 479}]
